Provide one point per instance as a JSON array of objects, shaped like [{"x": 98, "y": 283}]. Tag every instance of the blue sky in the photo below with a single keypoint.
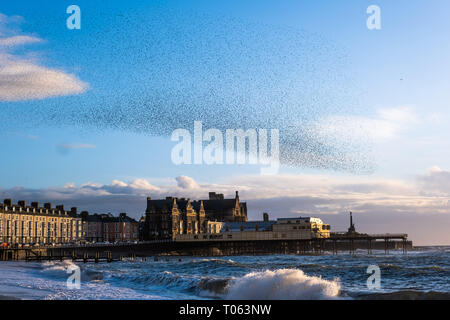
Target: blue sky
[{"x": 376, "y": 100}]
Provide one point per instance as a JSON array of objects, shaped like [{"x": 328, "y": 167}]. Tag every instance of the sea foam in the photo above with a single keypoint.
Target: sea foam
[{"x": 283, "y": 284}]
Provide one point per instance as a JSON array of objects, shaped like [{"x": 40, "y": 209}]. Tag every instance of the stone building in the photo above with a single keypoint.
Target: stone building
[
  {"x": 217, "y": 208},
  {"x": 94, "y": 226},
  {"x": 169, "y": 217},
  {"x": 108, "y": 228},
  {"x": 28, "y": 225},
  {"x": 120, "y": 229},
  {"x": 166, "y": 218}
]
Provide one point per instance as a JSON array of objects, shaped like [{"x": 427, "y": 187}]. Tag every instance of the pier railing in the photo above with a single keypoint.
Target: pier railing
[{"x": 363, "y": 236}]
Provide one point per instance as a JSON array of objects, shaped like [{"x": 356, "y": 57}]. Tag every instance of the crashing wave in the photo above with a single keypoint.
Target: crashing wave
[
  {"x": 283, "y": 284},
  {"x": 59, "y": 269}
]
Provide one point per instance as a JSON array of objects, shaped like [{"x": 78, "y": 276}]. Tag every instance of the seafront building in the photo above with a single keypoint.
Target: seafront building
[
  {"x": 108, "y": 228},
  {"x": 300, "y": 228},
  {"x": 166, "y": 218},
  {"x": 22, "y": 224},
  {"x": 217, "y": 208},
  {"x": 169, "y": 217},
  {"x": 218, "y": 218},
  {"x": 176, "y": 219},
  {"x": 35, "y": 225}
]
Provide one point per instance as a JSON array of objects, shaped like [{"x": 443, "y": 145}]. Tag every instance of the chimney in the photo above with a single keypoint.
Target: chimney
[
  {"x": 22, "y": 203},
  {"x": 7, "y": 202},
  {"x": 60, "y": 207},
  {"x": 35, "y": 205},
  {"x": 48, "y": 205},
  {"x": 73, "y": 210},
  {"x": 265, "y": 216},
  {"x": 212, "y": 196}
]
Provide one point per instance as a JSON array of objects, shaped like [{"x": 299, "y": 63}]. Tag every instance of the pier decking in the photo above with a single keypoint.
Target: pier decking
[{"x": 114, "y": 252}]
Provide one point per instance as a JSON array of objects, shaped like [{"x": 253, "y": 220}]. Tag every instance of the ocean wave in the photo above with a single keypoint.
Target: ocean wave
[
  {"x": 414, "y": 270},
  {"x": 216, "y": 262},
  {"x": 60, "y": 269},
  {"x": 214, "y": 288},
  {"x": 166, "y": 278},
  {"x": 282, "y": 284},
  {"x": 279, "y": 284},
  {"x": 390, "y": 266},
  {"x": 435, "y": 268}
]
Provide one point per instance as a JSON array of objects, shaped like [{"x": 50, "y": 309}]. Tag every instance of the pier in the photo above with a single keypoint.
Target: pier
[{"x": 337, "y": 243}]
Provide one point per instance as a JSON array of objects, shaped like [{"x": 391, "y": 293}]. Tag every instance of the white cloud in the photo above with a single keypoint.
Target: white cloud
[
  {"x": 334, "y": 194},
  {"x": 385, "y": 124},
  {"x": 18, "y": 40},
  {"x": 142, "y": 184},
  {"x": 185, "y": 182},
  {"x": 436, "y": 181},
  {"x": 118, "y": 183},
  {"x": 24, "y": 79},
  {"x": 69, "y": 185},
  {"x": 419, "y": 207}
]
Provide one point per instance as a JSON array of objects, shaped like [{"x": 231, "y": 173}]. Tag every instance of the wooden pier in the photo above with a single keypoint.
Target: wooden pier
[
  {"x": 116, "y": 252},
  {"x": 369, "y": 241}
]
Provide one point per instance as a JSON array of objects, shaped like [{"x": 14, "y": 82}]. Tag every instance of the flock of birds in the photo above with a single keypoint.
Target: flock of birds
[{"x": 153, "y": 72}]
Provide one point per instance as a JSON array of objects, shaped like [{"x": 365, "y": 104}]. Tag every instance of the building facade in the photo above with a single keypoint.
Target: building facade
[
  {"x": 166, "y": 218},
  {"x": 108, "y": 228},
  {"x": 217, "y": 208},
  {"x": 169, "y": 217},
  {"x": 302, "y": 228},
  {"x": 120, "y": 229},
  {"x": 29, "y": 225},
  {"x": 302, "y": 224}
]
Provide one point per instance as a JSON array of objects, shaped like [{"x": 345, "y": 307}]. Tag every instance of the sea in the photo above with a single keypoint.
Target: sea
[{"x": 423, "y": 273}]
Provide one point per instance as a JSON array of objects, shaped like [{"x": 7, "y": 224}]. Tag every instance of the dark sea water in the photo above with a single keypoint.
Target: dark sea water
[{"x": 421, "y": 274}]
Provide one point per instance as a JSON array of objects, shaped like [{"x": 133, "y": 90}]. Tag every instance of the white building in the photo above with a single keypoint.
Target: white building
[{"x": 301, "y": 228}]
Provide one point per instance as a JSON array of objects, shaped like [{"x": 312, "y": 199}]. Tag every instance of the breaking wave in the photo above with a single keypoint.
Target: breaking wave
[
  {"x": 59, "y": 269},
  {"x": 282, "y": 284},
  {"x": 166, "y": 279}
]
